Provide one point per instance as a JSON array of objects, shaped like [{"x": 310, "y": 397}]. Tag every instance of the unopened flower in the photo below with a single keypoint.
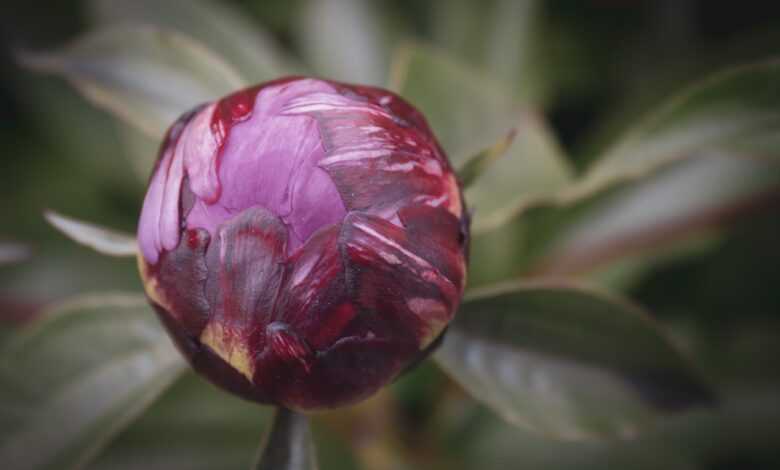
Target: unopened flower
[{"x": 303, "y": 241}]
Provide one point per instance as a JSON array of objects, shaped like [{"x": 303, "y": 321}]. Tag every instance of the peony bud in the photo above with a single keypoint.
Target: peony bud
[{"x": 303, "y": 241}]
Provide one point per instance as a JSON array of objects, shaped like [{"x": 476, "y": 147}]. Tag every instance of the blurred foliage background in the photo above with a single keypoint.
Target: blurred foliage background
[{"x": 593, "y": 68}]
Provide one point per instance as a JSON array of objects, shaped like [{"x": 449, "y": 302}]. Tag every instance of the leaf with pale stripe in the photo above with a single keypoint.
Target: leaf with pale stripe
[
  {"x": 79, "y": 376},
  {"x": 101, "y": 239},
  {"x": 567, "y": 361},
  {"x": 231, "y": 35},
  {"x": 146, "y": 75},
  {"x": 470, "y": 112}
]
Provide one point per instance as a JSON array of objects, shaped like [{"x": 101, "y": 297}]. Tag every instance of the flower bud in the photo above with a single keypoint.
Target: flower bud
[{"x": 303, "y": 241}]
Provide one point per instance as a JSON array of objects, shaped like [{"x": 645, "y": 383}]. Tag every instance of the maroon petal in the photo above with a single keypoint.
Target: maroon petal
[
  {"x": 377, "y": 162},
  {"x": 180, "y": 281},
  {"x": 246, "y": 264},
  {"x": 401, "y": 111},
  {"x": 439, "y": 237},
  {"x": 210, "y": 364},
  {"x": 405, "y": 296},
  {"x": 352, "y": 369},
  {"x": 247, "y": 257},
  {"x": 315, "y": 301}
]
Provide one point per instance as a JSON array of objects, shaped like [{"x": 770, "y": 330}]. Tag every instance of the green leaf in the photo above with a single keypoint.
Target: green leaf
[
  {"x": 735, "y": 106},
  {"x": 467, "y": 110},
  {"x": 740, "y": 433},
  {"x": 59, "y": 270},
  {"x": 475, "y": 166},
  {"x": 627, "y": 230},
  {"x": 232, "y": 36},
  {"x": 80, "y": 376},
  {"x": 567, "y": 361},
  {"x": 345, "y": 40},
  {"x": 534, "y": 166},
  {"x": 145, "y": 75},
  {"x": 497, "y": 36},
  {"x": 106, "y": 241},
  {"x": 139, "y": 149},
  {"x": 736, "y": 112},
  {"x": 512, "y": 47},
  {"x": 469, "y": 113},
  {"x": 460, "y": 27},
  {"x": 194, "y": 426},
  {"x": 288, "y": 444}
]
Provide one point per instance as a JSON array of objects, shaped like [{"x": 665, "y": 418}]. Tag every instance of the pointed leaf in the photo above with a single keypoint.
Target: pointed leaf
[
  {"x": 106, "y": 241},
  {"x": 567, "y": 361},
  {"x": 476, "y": 165},
  {"x": 733, "y": 112},
  {"x": 233, "y": 36},
  {"x": 619, "y": 233},
  {"x": 654, "y": 215},
  {"x": 80, "y": 376},
  {"x": 470, "y": 112},
  {"x": 534, "y": 166},
  {"x": 288, "y": 444},
  {"x": 467, "y": 110},
  {"x": 145, "y": 75},
  {"x": 730, "y": 109}
]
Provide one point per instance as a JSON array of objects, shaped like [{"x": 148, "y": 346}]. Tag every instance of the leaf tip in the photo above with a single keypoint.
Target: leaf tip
[{"x": 105, "y": 241}]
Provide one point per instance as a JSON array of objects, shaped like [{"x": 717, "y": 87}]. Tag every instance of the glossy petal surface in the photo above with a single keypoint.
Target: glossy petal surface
[{"x": 303, "y": 241}]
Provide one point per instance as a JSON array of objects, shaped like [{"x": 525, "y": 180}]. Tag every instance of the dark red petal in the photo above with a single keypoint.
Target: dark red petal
[
  {"x": 210, "y": 365},
  {"x": 402, "y": 294},
  {"x": 180, "y": 280},
  {"x": 392, "y": 103},
  {"x": 377, "y": 162},
  {"x": 288, "y": 346},
  {"x": 237, "y": 107},
  {"x": 246, "y": 264},
  {"x": 438, "y": 237},
  {"x": 314, "y": 300},
  {"x": 350, "y": 370},
  {"x": 383, "y": 185}
]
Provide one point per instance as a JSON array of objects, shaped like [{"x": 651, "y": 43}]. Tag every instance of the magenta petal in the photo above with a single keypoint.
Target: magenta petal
[
  {"x": 393, "y": 104},
  {"x": 281, "y": 153},
  {"x": 158, "y": 227},
  {"x": 198, "y": 151},
  {"x": 149, "y": 223},
  {"x": 159, "y": 224}
]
